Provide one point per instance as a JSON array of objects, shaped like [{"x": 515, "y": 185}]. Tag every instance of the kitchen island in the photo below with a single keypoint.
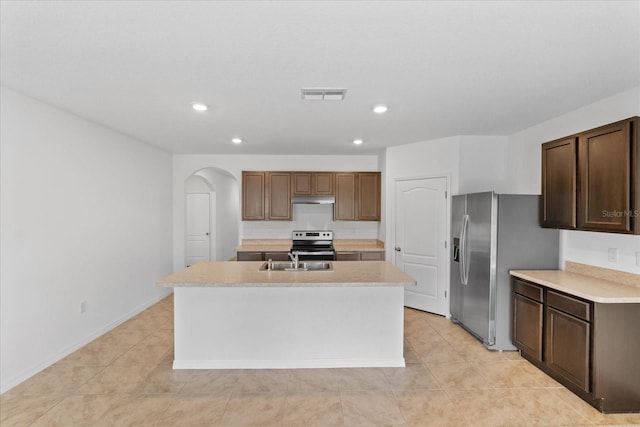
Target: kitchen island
[{"x": 231, "y": 315}]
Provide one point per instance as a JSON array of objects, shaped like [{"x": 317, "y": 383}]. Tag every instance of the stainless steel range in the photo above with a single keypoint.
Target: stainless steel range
[{"x": 313, "y": 245}]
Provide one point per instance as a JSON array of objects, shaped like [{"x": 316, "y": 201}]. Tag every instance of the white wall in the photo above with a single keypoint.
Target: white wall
[
  {"x": 483, "y": 164},
  {"x": 186, "y": 165},
  {"x": 86, "y": 216},
  {"x": 525, "y": 157}
]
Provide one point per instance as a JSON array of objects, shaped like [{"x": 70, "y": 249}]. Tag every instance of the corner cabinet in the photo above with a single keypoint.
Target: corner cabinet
[
  {"x": 591, "y": 181},
  {"x": 591, "y": 348}
]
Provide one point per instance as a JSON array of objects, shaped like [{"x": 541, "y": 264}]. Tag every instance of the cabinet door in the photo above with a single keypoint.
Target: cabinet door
[
  {"x": 344, "y": 208},
  {"x": 604, "y": 170},
  {"x": 253, "y": 196},
  {"x": 322, "y": 183},
  {"x": 558, "y": 208},
  {"x": 567, "y": 347},
  {"x": 302, "y": 183},
  {"x": 368, "y": 196},
  {"x": 527, "y": 326},
  {"x": 279, "y": 196}
]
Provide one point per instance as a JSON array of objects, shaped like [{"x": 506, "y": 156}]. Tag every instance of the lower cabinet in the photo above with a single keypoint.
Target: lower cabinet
[
  {"x": 360, "y": 256},
  {"x": 568, "y": 347},
  {"x": 527, "y": 330},
  {"x": 591, "y": 348}
]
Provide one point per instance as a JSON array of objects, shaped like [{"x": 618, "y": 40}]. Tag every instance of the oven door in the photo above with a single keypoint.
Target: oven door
[{"x": 327, "y": 255}]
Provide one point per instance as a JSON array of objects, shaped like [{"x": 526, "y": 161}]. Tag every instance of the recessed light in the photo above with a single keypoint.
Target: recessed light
[
  {"x": 199, "y": 106},
  {"x": 357, "y": 141},
  {"x": 379, "y": 109},
  {"x": 236, "y": 140}
]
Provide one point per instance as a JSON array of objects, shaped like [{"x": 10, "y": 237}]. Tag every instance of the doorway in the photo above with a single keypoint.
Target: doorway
[
  {"x": 421, "y": 208},
  {"x": 198, "y": 228}
]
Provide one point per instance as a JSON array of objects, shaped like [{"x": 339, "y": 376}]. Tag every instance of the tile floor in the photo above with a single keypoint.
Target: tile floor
[{"x": 124, "y": 378}]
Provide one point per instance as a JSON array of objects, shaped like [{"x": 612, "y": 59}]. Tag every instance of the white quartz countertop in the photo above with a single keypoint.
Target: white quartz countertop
[
  {"x": 587, "y": 287},
  {"x": 246, "y": 274}
]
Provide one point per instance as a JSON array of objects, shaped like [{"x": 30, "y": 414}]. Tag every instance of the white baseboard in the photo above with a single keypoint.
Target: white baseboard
[{"x": 288, "y": 364}]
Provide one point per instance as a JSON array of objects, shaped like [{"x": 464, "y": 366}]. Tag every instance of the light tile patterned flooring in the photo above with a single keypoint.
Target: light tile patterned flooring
[{"x": 124, "y": 378}]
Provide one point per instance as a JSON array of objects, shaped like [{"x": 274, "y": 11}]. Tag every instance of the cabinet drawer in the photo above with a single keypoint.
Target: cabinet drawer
[
  {"x": 572, "y": 306},
  {"x": 250, "y": 256},
  {"x": 372, "y": 256},
  {"x": 529, "y": 290}
]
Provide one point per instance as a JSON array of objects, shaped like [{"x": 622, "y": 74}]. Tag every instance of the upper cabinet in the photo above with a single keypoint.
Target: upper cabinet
[
  {"x": 253, "y": 195},
  {"x": 559, "y": 183},
  {"x": 357, "y": 196},
  {"x": 267, "y": 195},
  {"x": 591, "y": 181},
  {"x": 278, "y": 206},
  {"x": 312, "y": 183}
]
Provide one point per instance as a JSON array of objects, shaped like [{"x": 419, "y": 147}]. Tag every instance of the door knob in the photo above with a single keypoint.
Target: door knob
[{"x": 397, "y": 248}]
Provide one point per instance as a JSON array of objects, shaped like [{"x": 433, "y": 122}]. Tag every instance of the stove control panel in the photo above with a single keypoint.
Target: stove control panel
[{"x": 313, "y": 235}]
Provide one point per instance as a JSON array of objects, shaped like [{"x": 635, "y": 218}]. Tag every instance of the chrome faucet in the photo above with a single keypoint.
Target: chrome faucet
[{"x": 294, "y": 258}]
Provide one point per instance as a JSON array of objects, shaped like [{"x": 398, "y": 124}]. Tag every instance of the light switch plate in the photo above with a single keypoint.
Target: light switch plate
[
  {"x": 638, "y": 259},
  {"x": 613, "y": 255}
]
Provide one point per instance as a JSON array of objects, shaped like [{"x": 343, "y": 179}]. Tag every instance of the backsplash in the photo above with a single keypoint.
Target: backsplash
[{"x": 310, "y": 217}]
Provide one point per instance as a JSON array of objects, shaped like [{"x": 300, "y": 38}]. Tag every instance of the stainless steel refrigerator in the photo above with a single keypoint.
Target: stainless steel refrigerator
[{"x": 492, "y": 234}]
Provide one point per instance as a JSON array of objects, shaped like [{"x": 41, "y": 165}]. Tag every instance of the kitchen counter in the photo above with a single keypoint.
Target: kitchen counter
[
  {"x": 246, "y": 274},
  {"x": 583, "y": 286},
  {"x": 229, "y": 315}
]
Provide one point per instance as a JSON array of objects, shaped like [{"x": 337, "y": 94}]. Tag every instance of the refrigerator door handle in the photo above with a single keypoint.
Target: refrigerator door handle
[{"x": 464, "y": 266}]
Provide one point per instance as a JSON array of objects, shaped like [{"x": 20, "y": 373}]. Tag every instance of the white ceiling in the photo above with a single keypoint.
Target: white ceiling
[{"x": 443, "y": 68}]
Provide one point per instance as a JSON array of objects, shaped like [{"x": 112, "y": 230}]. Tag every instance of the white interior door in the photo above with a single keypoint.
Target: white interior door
[
  {"x": 420, "y": 241},
  {"x": 198, "y": 236}
]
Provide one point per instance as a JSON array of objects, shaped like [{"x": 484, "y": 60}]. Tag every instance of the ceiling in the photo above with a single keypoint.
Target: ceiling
[{"x": 442, "y": 68}]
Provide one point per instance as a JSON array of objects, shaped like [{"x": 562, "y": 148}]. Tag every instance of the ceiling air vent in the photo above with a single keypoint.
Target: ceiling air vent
[{"x": 319, "y": 94}]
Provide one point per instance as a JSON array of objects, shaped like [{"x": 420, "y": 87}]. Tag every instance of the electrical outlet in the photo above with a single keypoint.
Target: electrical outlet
[
  {"x": 83, "y": 307},
  {"x": 613, "y": 255}
]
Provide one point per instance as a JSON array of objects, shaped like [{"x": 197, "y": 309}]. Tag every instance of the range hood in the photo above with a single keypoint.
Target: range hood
[{"x": 313, "y": 200}]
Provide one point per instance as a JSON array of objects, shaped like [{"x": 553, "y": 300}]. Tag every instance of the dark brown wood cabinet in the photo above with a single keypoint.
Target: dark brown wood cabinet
[
  {"x": 591, "y": 180},
  {"x": 568, "y": 347},
  {"x": 250, "y": 256},
  {"x": 591, "y": 348},
  {"x": 559, "y": 176},
  {"x": 312, "y": 183},
  {"x": 267, "y": 195},
  {"x": 605, "y": 175},
  {"x": 357, "y": 196},
  {"x": 528, "y": 315}
]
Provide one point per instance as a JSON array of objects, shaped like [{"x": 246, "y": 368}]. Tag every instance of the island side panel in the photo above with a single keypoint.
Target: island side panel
[{"x": 288, "y": 327}]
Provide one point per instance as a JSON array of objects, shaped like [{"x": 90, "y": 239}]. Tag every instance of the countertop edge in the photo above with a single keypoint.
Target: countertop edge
[
  {"x": 287, "y": 285},
  {"x": 527, "y": 275}
]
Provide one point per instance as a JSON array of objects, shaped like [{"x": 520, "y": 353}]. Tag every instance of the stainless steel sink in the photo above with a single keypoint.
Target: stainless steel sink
[{"x": 302, "y": 266}]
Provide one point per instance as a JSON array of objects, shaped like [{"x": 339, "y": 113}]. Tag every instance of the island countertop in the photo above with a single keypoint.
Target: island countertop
[{"x": 246, "y": 274}]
